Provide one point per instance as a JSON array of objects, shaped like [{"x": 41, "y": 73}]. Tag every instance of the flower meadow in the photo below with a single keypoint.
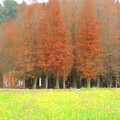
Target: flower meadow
[{"x": 85, "y": 104}]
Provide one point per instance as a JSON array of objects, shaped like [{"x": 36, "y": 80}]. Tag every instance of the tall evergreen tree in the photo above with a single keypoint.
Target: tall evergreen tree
[
  {"x": 89, "y": 42},
  {"x": 60, "y": 51}
]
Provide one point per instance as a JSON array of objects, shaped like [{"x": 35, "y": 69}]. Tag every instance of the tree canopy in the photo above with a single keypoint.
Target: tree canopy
[{"x": 7, "y": 10}]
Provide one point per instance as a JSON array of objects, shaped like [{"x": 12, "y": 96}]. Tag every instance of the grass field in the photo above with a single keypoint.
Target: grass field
[{"x": 86, "y": 104}]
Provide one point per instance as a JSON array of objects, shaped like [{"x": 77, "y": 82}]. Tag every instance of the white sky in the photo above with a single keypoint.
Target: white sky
[{"x": 28, "y": 1}]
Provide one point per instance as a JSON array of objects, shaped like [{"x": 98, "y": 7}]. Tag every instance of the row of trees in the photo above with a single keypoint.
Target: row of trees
[{"x": 77, "y": 38}]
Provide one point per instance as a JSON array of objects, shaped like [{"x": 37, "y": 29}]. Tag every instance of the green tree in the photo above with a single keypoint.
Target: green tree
[{"x": 8, "y": 10}]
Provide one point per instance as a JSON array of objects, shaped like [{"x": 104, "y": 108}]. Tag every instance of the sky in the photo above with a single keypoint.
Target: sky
[{"x": 28, "y": 1}]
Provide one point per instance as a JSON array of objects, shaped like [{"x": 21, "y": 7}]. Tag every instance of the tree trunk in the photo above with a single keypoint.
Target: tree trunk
[
  {"x": 8, "y": 80},
  {"x": 95, "y": 82},
  {"x": 64, "y": 87},
  {"x": 50, "y": 82},
  {"x": 34, "y": 84},
  {"x": 80, "y": 82},
  {"x": 9, "y": 85},
  {"x": 116, "y": 80},
  {"x": 24, "y": 84},
  {"x": 46, "y": 82},
  {"x": 75, "y": 83},
  {"x": 57, "y": 83},
  {"x": 88, "y": 82},
  {"x": 116, "y": 83},
  {"x": 98, "y": 82},
  {"x": 101, "y": 83},
  {"x": 110, "y": 82}
]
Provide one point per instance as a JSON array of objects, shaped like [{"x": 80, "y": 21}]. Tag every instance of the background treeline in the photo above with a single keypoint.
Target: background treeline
[
  {"x": 77, "y": 39},
  {"x": 7, "y": 10}
]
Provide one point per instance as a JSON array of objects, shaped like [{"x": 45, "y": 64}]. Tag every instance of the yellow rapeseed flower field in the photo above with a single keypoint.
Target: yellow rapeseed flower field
[{"x": 86, "y": 104}]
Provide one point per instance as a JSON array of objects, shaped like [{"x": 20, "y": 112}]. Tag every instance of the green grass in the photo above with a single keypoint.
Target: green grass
[{"x": 87, "y": 104}]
